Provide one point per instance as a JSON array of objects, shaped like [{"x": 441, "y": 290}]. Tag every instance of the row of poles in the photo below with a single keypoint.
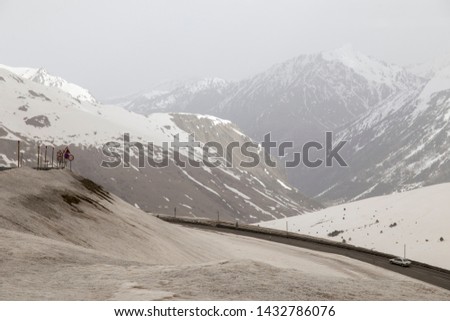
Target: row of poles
[
  {"x": 218, "y": 216},
  {"x": 42, "y": 162},
  {"x": 175, "y": 214},
  {"x": 40, "y": 157}
]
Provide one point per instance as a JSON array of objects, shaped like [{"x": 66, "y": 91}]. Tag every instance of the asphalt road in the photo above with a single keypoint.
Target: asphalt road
[{"x": 429, "y": 274}]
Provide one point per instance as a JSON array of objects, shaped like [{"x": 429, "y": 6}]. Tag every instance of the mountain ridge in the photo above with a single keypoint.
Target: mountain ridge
[
  {"x": 39, "y": 115},
  {"x": 350, "y": 94},
  {"x": 41, "y": 76}
]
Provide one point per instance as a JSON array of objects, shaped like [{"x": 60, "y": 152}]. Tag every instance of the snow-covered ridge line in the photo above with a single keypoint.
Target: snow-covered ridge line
[
  {"x": 45, "y": 112},
  {"x": 37, "y": 114},
  {"x": 41, "y": 76},
  {"x": 368, "y": 67}
]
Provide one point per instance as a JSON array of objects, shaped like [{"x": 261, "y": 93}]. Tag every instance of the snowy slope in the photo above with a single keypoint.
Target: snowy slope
[
  {"x": 41, "y": 76},
  {"x": 34, "y": 114},
  {"x": 326, "y": 89},
  {"x": 65, "y": 238},
  {"x": 87, "y": 124},
  {"x": 343, "y": 91},
  {"x": 418, "y": 218},
  {"x": 160, "y": 88},
  {"x": 370, "y": 68},
  {"x": 197, "y": 96},
  {"x": 400, "y": 145}
]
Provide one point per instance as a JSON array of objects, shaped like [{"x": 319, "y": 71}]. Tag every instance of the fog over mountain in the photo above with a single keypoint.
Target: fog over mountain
[
  {"x": 37, "y": 112},
  {"x": 115, "y": 48},
  {"x": 394, "y": 118},
  {"x": 224, "y": 150}
]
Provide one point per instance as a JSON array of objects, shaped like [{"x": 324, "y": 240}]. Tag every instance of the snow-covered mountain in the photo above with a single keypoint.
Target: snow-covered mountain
[
  {"x": 341, "y": 90},
  {"x": 197, "y": 96},
  {"x": 400, "y": 145},
  {"x": 394, "y": 119},
  {"x": 41, "y": 76},
  {"x": 294, "y": 99},
  {"x": 300, "y": 99},
  {"x": 34, "y": 113},
  {"x": 418, "y": 218}
]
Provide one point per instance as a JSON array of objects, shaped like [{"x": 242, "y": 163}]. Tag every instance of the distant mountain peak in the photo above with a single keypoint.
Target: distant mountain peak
[
  {"x": 41, "y": 76},
  {"x": 372, "y": 69},
  {"x": 207, "y": 83}
]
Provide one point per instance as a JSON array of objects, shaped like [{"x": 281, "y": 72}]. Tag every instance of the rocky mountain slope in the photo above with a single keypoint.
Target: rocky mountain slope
[
  {"x": 37, "y": 114},
  {"x": 394, "y": 119},
  {"x": 403, "y": 144},
  {"x": 297, "y": 99},
  {"x": 193, "y": 96}
]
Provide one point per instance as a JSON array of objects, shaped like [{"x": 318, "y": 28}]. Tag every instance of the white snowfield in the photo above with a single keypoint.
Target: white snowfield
[
  {"x": 61, "y": 121},
  {"x": 419, "y": 218},
  {"x": 61, "y": 239},
  {"x": 369, "y": 68},
  {"x": 87, "y": 124},
  {"x": 41, "y": 76}
]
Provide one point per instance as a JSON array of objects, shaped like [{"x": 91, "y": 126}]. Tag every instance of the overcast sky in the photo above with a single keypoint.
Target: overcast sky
[{"x": 114, "y": 48}]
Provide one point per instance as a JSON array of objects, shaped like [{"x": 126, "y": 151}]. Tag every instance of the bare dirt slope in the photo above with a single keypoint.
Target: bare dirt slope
[{"x": 64, "y": 237}]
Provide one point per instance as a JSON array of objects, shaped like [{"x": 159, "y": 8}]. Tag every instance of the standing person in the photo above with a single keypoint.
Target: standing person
[
  {"x": 66, "y": 153},
  {"x": 66, "y": 156}
]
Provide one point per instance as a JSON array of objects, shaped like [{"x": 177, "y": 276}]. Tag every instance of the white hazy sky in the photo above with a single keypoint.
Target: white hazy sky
[{"x": 117, "y": 47}]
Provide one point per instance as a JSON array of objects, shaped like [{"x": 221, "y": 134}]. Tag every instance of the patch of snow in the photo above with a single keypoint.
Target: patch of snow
[
  {"x": 236, "y": 192},
  {"x": 200, "y": 184},
  {"x": 284, "y": 185},
  {"x": 417, "y": 218}
]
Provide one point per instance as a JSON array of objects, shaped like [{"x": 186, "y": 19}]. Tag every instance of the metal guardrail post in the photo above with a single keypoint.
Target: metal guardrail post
[
  {"x": 38, "y": 155},
  {"x": 18, "y": 154}
]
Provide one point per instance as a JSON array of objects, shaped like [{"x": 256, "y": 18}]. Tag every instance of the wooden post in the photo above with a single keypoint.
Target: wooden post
[
  {"x": 175, "y": 212},
  {"x": 45, "y": 157},
  {"x": 18, "y": 153},
  {"x": 53, "y": 154},
  {"x": 38, "y": 155}
]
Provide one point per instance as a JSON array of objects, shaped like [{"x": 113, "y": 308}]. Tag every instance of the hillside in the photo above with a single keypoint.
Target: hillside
[
  {"x": 64, "y": 237},
  {"x": 401, "y": 145},
  {"x": 418, "y": 218},
  {"x": 37, "y": 114}
]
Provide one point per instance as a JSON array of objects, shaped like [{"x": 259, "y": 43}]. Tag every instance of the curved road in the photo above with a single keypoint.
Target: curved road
[{"x": 423, "y": 272}]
